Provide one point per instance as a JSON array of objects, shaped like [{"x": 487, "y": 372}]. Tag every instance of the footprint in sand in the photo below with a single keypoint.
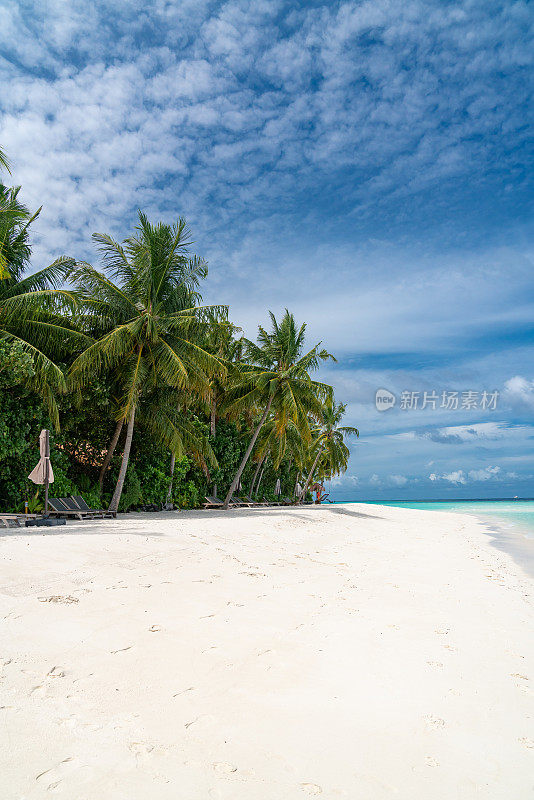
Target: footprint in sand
[
  {"x": 311, "y": 788},
  {"x": 58, "y": 598},
  {"x": 140, "y": 749},
  {"x": 203, "y": 719},
  {"x": 155, "y": 628},
  {"x": 433, "y": 722},
  {"x": 527, "y": 742},
  {"x": 436, "y": 664},
  {"x": 513, "y": 653},
  {"x": 224, "y": 768},
  {"x": 56, "y": 672},
  {"x": 52, "y": 777},
  {"x": 431, "y": 762}
]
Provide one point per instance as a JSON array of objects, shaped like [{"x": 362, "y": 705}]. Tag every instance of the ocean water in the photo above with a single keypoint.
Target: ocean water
[{"x": 513, "y": 516}]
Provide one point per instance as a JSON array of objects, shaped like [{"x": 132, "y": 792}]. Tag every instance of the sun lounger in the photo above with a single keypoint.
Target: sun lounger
[
  {"x": 252, "y": 502},
  {"x": 82, "y": 505},
  {"x": 66, "y": 507},
  {"x": 59, "y": 508},
  {"x": 245, "y": 502},
  {"x": 214, "y": 502},
  {"x": 211, "y": 503},
  {"x": 72, "y": 506},
  {"x": 9, "y": 521}
]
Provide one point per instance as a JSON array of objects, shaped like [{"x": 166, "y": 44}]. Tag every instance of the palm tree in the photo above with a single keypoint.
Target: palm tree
[
  {"x": 278, "y": 442},
  {"x": 32, "y": 308},
  {"x": 145, "y": 306},
  {"x": 220, "y": 341},
  {"x": 119, "y": 424},
  {"x": 277, "y": 377},
  {"x": 328, "y": 442}
]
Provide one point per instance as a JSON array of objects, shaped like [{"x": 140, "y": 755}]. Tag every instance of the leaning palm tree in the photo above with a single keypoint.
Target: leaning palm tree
[
  {"x": 146, "y": 320},
  {"x": 277, "y": 378},
  {"x": 328, "y": 443},
  {"x": 278, "y": 442}
]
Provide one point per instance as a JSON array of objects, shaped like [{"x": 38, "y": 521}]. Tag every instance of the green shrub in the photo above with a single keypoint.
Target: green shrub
[
  {"x": 131, "y": 493},
  {"x": 188, "y": 496}
]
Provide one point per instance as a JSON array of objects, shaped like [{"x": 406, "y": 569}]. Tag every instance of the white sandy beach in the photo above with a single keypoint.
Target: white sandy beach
[{"x": 357, "y": 651}]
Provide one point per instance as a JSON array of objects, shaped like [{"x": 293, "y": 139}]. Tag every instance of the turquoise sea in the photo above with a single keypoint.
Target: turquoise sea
[{"x": 514, "y": 516}]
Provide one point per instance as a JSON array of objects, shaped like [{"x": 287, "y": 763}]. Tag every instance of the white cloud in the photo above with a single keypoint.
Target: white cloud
[
  {"x": 344, "y": 480},
  {"x": 250, "y": 106},
  {"x": 456, "y": 477},
  {"x": 519, "y": 391},
  {"x": 398, "y": 480},
  {"x": 486, "y": 474},
  {"x": 475, "y": 475}
]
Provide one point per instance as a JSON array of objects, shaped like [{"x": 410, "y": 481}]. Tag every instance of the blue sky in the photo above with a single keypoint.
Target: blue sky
[{"x": 364, "y": 163}]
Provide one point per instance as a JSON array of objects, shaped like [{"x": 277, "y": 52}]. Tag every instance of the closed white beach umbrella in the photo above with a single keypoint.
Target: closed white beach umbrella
[
  {"x": 299, "y": 489},
  {"x": 278, "y": 488},
  {"x": 43, "y": 472}
]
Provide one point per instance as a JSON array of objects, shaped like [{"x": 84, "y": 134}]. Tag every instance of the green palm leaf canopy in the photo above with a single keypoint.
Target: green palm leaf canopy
[
  {"x": 276, "y": 380},
  {"x": 144, "y": 314},
  {"x": 328, "y": 450},
  {"x": 33, "y": 308}
]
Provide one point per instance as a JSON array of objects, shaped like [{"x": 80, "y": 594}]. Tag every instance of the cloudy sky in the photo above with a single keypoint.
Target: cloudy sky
[{"x": 364, "y": 163}]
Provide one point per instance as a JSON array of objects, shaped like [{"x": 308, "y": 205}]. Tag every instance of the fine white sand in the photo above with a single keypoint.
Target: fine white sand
[{"x": 357, "y": 652}]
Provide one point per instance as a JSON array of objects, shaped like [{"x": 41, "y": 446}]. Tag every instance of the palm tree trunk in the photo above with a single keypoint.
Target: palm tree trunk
[
  {"x": 243, "y": 464},
  {"x": 213, "y": 420},
  {"x": 169, "y": 493},
  {"x": 259, "y": 480},
  {"x": 109, "y": 454},
  {"x": 260, "y": 462},
  {"x": 213, "y": 431},
  {"x": 310, "y": 476},
  {"x": 114, "y": 505}
]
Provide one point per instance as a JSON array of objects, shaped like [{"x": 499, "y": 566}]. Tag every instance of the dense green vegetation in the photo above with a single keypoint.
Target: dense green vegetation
[{"x": 150, "y": 396}]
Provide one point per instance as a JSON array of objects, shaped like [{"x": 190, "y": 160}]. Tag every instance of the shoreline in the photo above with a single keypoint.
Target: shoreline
[
  {"x": 507, "y": 536},
  {"x": 513, "y": 541},
  {"x": 340, "y": 651}
]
